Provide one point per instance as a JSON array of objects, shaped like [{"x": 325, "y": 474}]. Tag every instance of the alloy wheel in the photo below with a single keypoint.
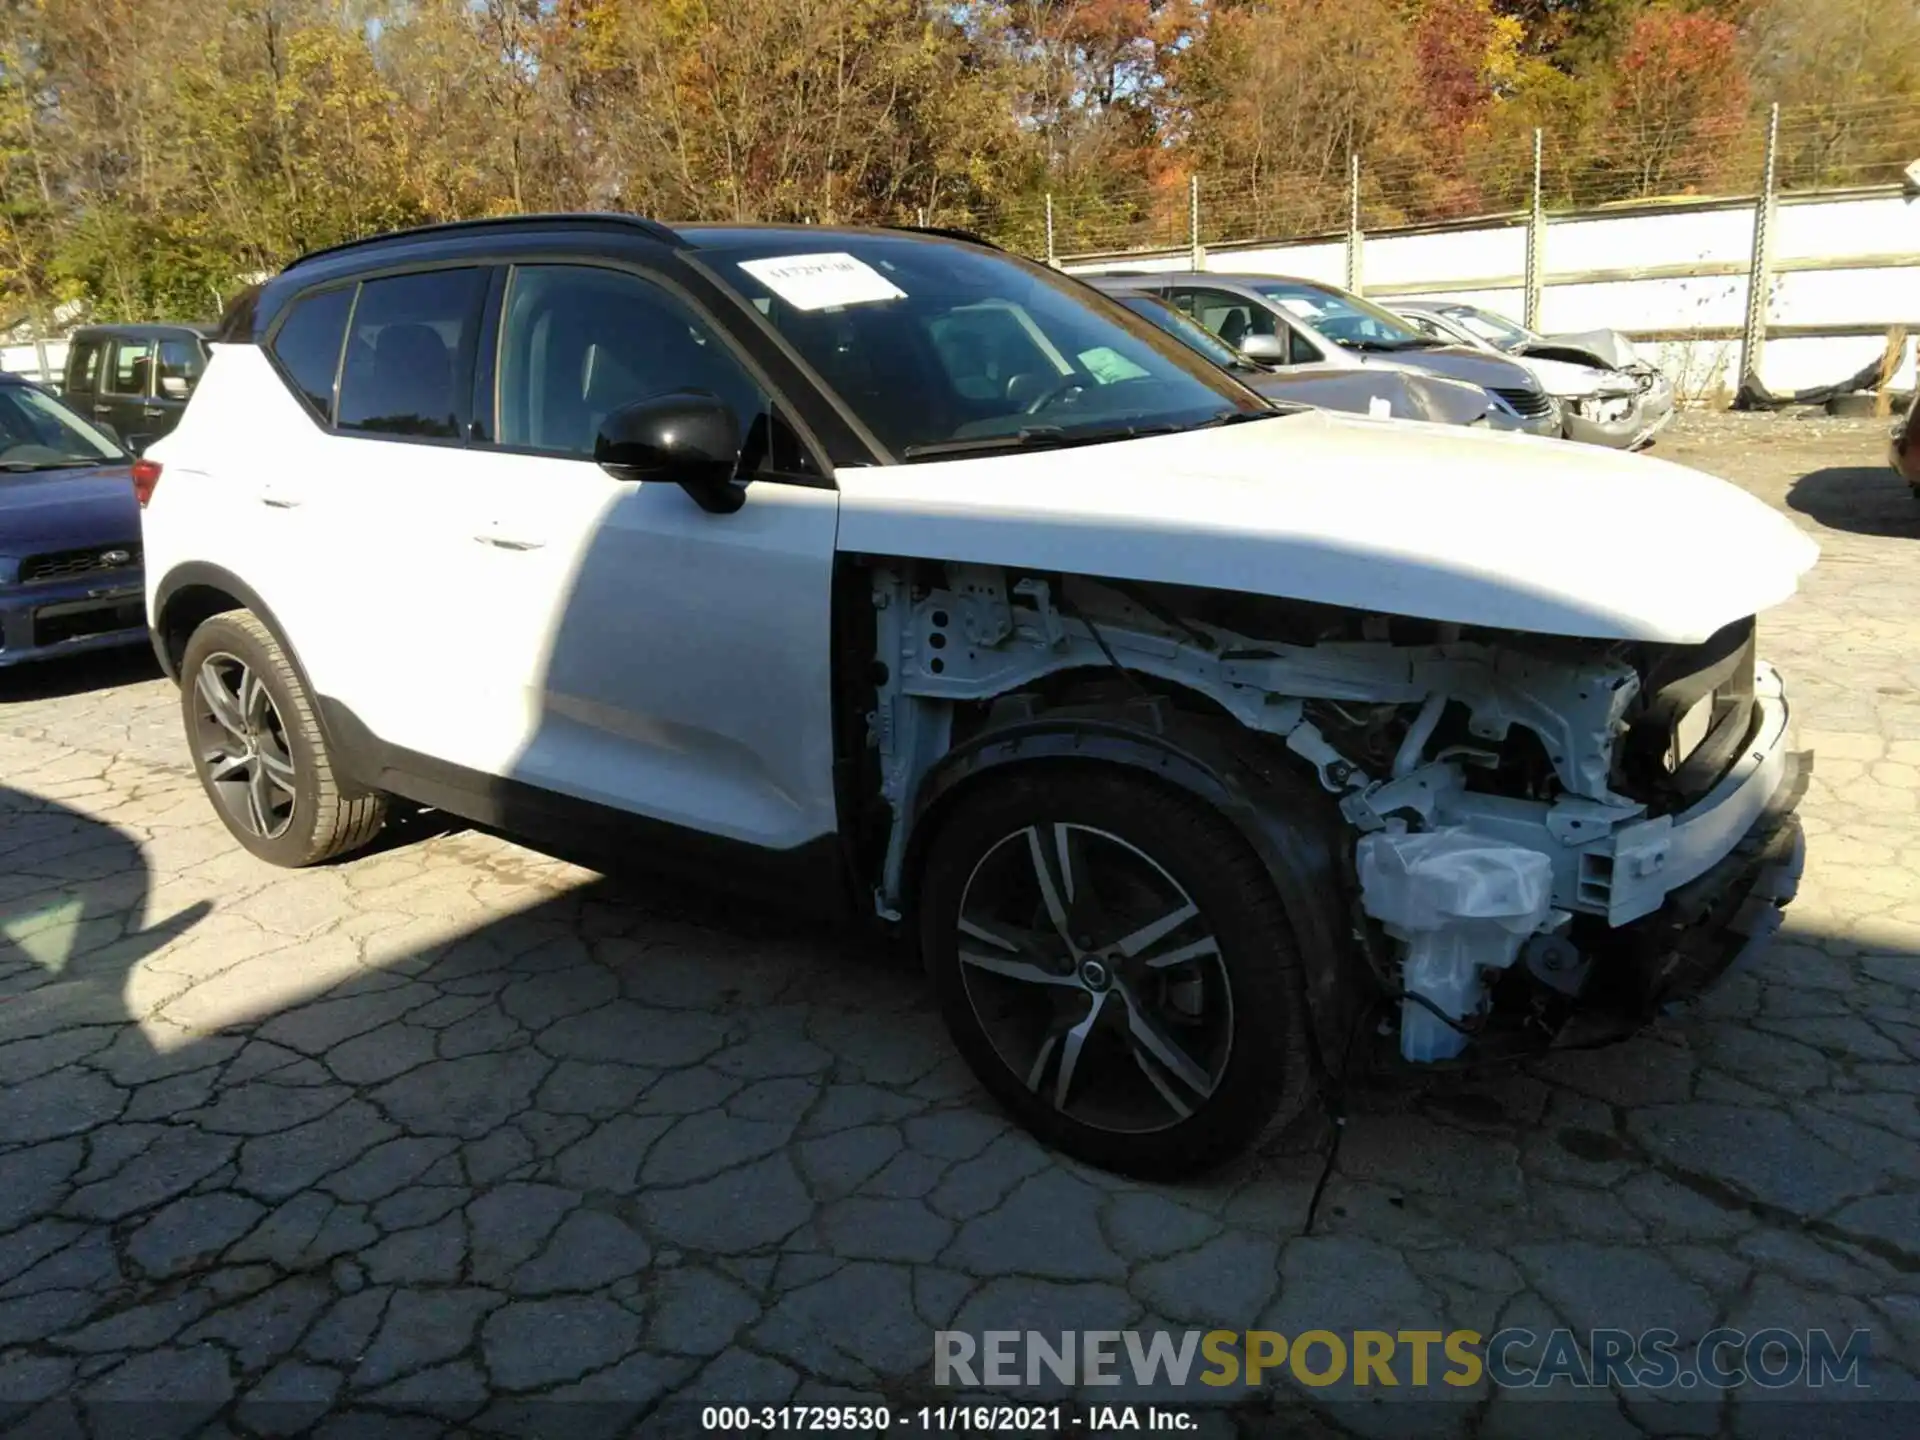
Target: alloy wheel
[
  {"x": 242, "y": 740},
  {"x": 1095, "y": 977}
]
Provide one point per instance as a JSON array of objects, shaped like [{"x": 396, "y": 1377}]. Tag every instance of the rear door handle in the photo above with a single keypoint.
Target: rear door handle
[
  {"x": 103, "y": 409},
  {"x": 153, "y": 412},
  {"x": 508, "y": 542},
  {"x": 279, "y": 502}
]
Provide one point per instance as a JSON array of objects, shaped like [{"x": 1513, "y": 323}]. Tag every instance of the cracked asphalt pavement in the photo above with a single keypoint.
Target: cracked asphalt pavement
[{"x": 454, "y": 1134}]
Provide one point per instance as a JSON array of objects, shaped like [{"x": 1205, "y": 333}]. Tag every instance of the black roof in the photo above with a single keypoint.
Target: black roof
[
  {"x": 143, "y": 329},
  {"x": 588, "y": 220},
  {"x": 689, "y": 234},
  {"x": 739, "y": 232}
]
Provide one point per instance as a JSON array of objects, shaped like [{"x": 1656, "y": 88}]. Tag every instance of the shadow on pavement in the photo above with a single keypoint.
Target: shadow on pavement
[
  {"x": 76, "y": 674},
  {"x": 589, "y": 1164},
  {"x": 73, "y": 914},
  {"x": 1863, "y": 499}
]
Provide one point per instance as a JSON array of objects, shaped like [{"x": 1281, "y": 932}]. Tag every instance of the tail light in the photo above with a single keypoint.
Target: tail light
[{"x": 146, "y": 475}]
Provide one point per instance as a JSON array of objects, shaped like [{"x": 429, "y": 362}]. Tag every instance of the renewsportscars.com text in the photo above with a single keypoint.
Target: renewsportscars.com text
[{"x": 1722, "y": 1359}]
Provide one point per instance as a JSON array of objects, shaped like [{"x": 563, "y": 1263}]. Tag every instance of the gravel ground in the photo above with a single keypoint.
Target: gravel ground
[{"x": 454, "y": 1135}]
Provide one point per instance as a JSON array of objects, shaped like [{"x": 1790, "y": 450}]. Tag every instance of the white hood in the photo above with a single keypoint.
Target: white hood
[{"x": 1444, "y": 523}]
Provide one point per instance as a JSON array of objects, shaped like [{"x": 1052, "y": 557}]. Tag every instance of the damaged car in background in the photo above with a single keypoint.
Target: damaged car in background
[
  {"x": 1609, "y": 394},
  {"x": 1285, "y": 324},
  {"x": 1201, "y": 746},
  {"x": 1361, "y": 390}
]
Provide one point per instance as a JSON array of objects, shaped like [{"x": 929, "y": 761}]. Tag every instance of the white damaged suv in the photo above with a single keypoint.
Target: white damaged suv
[{"x": 1189, "y": 737}]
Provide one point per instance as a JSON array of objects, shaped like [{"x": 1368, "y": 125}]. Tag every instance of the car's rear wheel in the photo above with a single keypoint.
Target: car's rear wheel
[
  {"x": 1116, "y": 966},
  {"x": 258, "y": 749}
]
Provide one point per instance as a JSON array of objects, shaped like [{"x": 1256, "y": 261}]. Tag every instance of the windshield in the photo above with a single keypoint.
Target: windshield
[
  {"x": 37, "y": 432},
  {"x": 1488, "y": 326},
  {"x": 942, "y": 348},
  {"x": 1187, "y": 331},
  {"x": 1344, "y": 319}
]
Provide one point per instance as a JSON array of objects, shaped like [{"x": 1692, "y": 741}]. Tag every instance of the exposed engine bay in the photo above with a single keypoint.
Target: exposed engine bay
[{"x": 1515, "y": 803}]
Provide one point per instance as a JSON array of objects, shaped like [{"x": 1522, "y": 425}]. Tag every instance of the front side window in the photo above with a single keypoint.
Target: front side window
[
  {"x": 939, "y": 348},
  {"x": 403, "y": 373},
  {"x": 132, "y": 367},
  {"x": 307, "y": 345},
  {"x": 578, "y": 342},
  {"x": 1344, "y": 319},
  {"x": 1176, "y": 323},
  {"x": 180, "y": 365},
  {"x": 1490, "y": 327},
  {"x": 1232, "y": 317},
  {"x": 37, "y": 432}
]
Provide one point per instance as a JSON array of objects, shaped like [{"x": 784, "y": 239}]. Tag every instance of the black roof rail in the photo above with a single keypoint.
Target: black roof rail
[
  {"x": 947, "y": 232},
  {"x": 653, "y": 229}
]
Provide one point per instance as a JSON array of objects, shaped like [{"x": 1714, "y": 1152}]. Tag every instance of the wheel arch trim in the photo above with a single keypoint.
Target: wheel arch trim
[
  {"x": 200, "y": 575},
  {"x": 1291, "y": 825}
]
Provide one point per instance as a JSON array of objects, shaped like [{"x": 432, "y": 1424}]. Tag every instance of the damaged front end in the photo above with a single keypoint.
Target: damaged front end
[{"x": 1545, "y": 839}]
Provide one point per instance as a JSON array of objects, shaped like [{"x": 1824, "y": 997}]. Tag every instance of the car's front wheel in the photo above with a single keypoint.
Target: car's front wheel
[
  {"x": 258, "y": 749},
  {"x": 1116, "y": 966}
]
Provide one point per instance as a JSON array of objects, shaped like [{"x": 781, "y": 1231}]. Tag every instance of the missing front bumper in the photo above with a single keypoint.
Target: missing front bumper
[{"x": 1713, "y": 924}]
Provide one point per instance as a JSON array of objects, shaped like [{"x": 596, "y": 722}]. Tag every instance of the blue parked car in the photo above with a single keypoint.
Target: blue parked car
[{"x": 70, "y": 576}]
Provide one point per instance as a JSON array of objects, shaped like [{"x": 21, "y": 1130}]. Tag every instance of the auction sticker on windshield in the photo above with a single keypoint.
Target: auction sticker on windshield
[{"x": 820, "y": 282}]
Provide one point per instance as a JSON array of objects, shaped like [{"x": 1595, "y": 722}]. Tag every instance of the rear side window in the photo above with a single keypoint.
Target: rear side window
[
  {"x": 404, "y": 372},
  {"x": 83, "y": 366},
  {"x": 307, "y": 345}
]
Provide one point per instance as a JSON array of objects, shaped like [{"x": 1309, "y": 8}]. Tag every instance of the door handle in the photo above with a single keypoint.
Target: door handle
[
  {"x": 152, "y": 411},
  {"x": 279, "y": 502},
  {"x": 103, "y": 409},
  {"x": 507, "y": 542}
]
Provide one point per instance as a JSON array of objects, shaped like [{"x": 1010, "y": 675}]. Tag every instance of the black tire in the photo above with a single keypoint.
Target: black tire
[
  {"x": 309, "y": 817},
  {"x": 1255, "y": 1056}
]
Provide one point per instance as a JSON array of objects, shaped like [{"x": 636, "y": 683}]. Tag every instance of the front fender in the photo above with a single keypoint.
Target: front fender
[{"x": 1291, "y": 824}]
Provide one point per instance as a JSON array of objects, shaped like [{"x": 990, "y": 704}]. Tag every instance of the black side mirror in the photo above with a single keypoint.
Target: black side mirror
[{"x": 688, "y": 437}]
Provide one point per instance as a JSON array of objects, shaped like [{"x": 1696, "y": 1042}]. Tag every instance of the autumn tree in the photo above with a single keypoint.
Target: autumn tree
[
  {"x": 1819, "y": 59},
  {"x": 1679, "y": 97},
  {"x": 152, "y": 158}
]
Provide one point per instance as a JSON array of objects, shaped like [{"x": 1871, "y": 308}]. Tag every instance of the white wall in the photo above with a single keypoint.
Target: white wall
[
  {"x": 1496, "y": 252},
  {"x": 25, "y": 360},
  {"x": 1485, "y": 265}
]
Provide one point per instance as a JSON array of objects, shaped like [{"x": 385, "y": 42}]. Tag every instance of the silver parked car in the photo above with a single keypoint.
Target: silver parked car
[
  {"x": 1362, "y": 390},
  {"x": 1608, "y": 394},
  {"x": 1283, "y": 322}
]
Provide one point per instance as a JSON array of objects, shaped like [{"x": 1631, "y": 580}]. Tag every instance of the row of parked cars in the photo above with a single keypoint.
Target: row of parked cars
[
  {"x": 70, "y": 547},
  {"x": 1429, "y": 360},
  {"x": 1198, "y": 743}
]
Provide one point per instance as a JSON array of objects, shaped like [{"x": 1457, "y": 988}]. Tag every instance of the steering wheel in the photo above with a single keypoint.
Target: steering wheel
[{"x": 1059, "y": 390}]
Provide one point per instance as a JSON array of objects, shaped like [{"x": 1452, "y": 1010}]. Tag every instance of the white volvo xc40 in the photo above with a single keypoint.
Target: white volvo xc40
[{"x": 1188, "y": 737}]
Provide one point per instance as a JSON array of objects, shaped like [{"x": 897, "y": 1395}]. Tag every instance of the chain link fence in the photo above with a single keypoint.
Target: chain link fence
[{"x": 1503, "y": 173}]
